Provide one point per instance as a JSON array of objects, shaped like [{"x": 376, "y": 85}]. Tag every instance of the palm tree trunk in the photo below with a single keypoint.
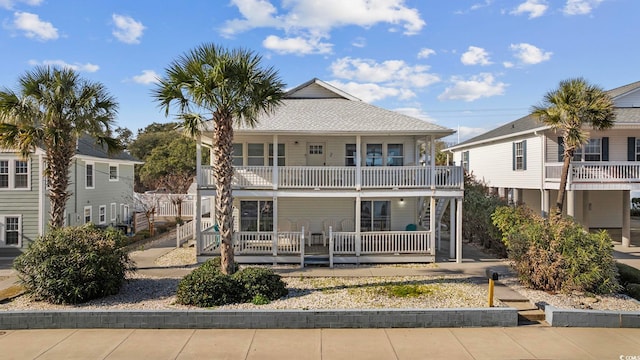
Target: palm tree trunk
[
  {"x": 57, "y": 173},
  {"x": 223, "y": 175},
  {"x": 568, "y": 155}
]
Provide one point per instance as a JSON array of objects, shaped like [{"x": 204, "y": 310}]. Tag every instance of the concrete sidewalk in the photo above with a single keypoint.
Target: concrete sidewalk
[{"x": 351, "y": 344}]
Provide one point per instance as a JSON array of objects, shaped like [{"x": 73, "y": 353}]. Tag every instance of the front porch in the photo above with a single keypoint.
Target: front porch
[{"x": 342, "y": 247}]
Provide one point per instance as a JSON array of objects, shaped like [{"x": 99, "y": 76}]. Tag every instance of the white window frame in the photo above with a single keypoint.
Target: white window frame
[
  {"x": 519, "y": 155},
  {"x": 238, "y": 156},
  {"x": 581, "y": 153},
  {"x": 3, "y": 228},
  {"x": 114, "y": 211},
  {"x": 464, "y": 160},
  {"x": 102, "y": 214},
  {"x": 391, "y": 158},
  {"x": 84, "y": 214},
  {"x": 12, "y": 173},
  {"x": 255, "y": 160},
  {"x": 93, "y": 175},
  {"x": 124, "y": 212},
  {"x": 117, "y": 172}
]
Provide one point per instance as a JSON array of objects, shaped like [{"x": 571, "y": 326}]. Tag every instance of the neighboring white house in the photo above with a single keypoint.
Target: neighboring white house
[
  {"x": 101, "y": 187},
  {"x": 524, "y": 158},
  {"x": 330, "y": 174}
]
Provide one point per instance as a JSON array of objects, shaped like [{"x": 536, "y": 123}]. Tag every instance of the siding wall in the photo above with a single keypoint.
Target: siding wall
[
  {"x": 630, "y": 100},
  {"x": 493, "y": 163},
  {"x": 23, "y": 202},
  {"x": 335, "y": 152},
  {"x": 617, "y": 143}
]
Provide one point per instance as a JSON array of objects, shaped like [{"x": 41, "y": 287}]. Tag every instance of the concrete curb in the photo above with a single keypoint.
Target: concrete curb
[
  {"x": 591, "y": 318},
  {"x": 268, "y": 319}
]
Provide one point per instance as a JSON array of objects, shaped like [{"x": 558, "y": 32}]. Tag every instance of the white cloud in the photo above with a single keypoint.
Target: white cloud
[
  {"x": 535, "y": 8},
  {"x": 359, "y": 42},
  {"x": 147, "y": 77},
  {"x": 508, "y": 64},
  {"x": 127, "y": 29},
  {"x": 580, "y": 7},
  {"x": 425, "y": 53},
  {"x": 8, "y": 4},
  {"x": 372, "y": 92},
  {"x": 88, "y": 67},
  {"x": 34, "y": 27},
  {"x": 390, "y": 72},
  {"x": 478, "y": 86},
  {"x": 529, "y": 54},
  {"x": 306, "y": 21},
  {"x": 475, "y": 56},
  {"x": 467, "y": 132},
  {"x": 296, "y": 45}
]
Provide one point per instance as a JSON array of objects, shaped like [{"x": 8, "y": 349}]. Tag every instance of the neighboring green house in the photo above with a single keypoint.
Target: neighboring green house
[{"x": 101, "y": 187}]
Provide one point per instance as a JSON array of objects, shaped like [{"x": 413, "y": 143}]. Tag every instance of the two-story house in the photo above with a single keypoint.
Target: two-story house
[
  {"x": 331, "y": 179},
  {"x": 524, "y": 158},
  {"x": 101, "y": 187}
]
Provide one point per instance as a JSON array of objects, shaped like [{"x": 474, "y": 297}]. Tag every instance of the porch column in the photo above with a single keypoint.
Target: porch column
[
  {"x": 517, "y": 196},
  {"x": 274, "y": 176},
  {"x": 274, "y": 243},
  {"x": 358, "y": 166},
  {"x": 358, "y": 226},
  {"x": 571, "y": 203},
  {"x": 626, "y": 218},
  {"x": 545, "y": 203},
  {"x": 432, "y": 148},
  {"x": 501, "y": 193},
  {"x": 452, "y": 229},
  {"x": 198, "y": 210},
  {"x": 459, "y": 232},
  {"x": 586, "y": 209},
  {"x": 432, "y": 223}
]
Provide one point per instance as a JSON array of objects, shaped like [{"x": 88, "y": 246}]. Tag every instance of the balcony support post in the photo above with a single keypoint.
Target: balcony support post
[
  {"x": 274, "y": 244},
  {"x": 626, "y": 218},
  {"x": 586, "y": 209},
  {"x": 432, "y": 223},
  {"x": 198, "y": 203},
  {"x": 358, "y": 163},
  {"x": 432, "y": 149},
  {"x": 358, "y": 225},
  {"x": 274, "y": 177},
  {"x": 571, "y": 203},
  {"x": 452, "y": 228},
  {"x": 546, "y": 205},
  {"x": 459, "y": 231}
]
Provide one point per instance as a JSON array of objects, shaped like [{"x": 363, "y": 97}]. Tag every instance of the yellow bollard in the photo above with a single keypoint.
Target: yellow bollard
[{"x": 491, "y": 282}]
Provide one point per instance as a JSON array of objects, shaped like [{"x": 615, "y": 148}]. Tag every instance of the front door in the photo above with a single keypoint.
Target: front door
[{"x": 315, "y": 154}]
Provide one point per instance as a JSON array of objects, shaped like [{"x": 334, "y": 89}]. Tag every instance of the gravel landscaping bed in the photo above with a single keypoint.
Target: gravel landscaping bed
[{"x": 451, "y": 291}]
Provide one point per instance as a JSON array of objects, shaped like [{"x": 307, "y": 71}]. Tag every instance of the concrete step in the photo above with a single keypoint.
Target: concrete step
[
  {"x": 519, "y": 304},
  {"x": 532, "y": 315}
]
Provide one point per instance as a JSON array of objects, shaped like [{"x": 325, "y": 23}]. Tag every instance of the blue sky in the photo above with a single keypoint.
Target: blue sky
[{"x": 468, "y": 65}]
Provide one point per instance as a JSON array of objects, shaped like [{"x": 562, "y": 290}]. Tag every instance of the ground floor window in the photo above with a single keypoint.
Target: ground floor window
[
  {"x": 11, "y": 233},
  {"x": 87, "y": 214},
  {"x": 102, "y": 214},
  {"x": 256, "y": 215},
  {"x": 375, "y": 215}
]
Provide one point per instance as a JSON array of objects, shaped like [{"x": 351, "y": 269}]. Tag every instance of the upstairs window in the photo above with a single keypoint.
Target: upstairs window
[
  {"x": 255, "y": 156},
  {"x": 395, "y": 155},
  {"x": 14, "y": 174},
  {"x": 238, "y": 155},
  {"x": 89, "y": 176},
  {"x": 350, "y": 155},
  {"x": 594, "y": 150},
  {"x": 113, "y": 172},
  {"x": 374, "y": 155},
  {"x": 520, "y": 155},
  {"x": 281, "y": 157},
  {"x": 465, "y": 160}
]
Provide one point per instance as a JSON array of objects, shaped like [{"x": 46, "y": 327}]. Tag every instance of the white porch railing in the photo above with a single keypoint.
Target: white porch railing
[
  {"x": 341, "y": 177},
  {"x": 600, "y": 172},
  {"x": 186, "y": 231},
  {"x": 257, "y": 243}
]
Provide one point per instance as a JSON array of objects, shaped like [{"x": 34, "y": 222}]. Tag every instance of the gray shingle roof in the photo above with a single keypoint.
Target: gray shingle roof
[
  {"x": 337, "y": 115},
  {"x": 316, "y": 107},
  {"x": 87, "y": 146},
  {"x": 529, "y": 123}
]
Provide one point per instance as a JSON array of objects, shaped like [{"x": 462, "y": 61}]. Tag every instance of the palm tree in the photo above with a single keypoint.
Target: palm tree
[
  {"x": 228, "y": 87},
  {"x": 51, "y": 109},
  {"x": 568, "y": 109}
]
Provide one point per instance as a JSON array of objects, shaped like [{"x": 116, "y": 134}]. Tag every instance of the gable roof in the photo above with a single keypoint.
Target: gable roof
[
  {"x": 529, "y": 123},
  {"x": 317, "y": 107}
]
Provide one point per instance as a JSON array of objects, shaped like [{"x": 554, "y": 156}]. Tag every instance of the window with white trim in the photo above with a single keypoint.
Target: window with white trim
[
  {"x": 255, "y": 154},
  {"x": 281, "y": 157},
  {"x": 102, "y": 214},
  {"x": 113, "y": 172},
  {"x": 518, "y": 153},
  {"x": 256, "y": 215},
  {"x": 114, "y": 212},
  {"x": 238, "y": 155},
  {"x": 11, "y": 230},
  {"x": 350, "y": 155},
  {"x": 87, "y": 214},
  {"x": 375, "y": 215},
  {"x": 89, "y": 176},
  {"x": 395, "y": 155},
  {"x": 591, "y": 151},
  {"x": 374, "y": 155},
  {"x": 14, "y": 174},
  {"x": 465, "y": 160}
]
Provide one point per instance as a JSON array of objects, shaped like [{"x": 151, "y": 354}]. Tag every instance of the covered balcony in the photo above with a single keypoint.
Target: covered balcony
[
  {"x": 609, "y": 175},
  {"x": 340, "y": 177}
]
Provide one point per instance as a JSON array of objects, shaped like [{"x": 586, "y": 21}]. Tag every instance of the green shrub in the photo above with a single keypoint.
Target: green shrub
[
  {"x": 633, "y": 290},
  {"x": 206, "y": 286},
  {"x": 144, "y": 234},
  {"x": 261, "y": 281},
  {"x": 628, "y": 274},
  {"x": 557, "y": 254},
  {"x": 74, "y": 264},
  {"x": 478, "y": 205}
]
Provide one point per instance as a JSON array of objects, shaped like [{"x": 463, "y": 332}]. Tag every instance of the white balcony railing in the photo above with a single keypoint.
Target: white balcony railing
[
  {"x": 341, "y": 177},
  {"x": 595, "y": 172}
]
